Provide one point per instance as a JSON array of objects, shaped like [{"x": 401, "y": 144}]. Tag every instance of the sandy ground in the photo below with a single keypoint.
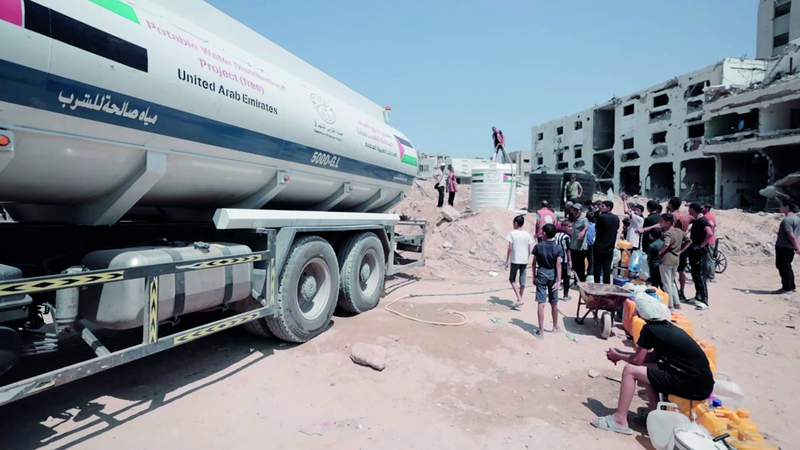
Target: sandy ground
[{"x": 483, "y": 385}]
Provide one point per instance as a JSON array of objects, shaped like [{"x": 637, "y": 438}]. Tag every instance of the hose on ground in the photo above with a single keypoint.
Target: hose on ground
[{"x": 429, "y": 322}]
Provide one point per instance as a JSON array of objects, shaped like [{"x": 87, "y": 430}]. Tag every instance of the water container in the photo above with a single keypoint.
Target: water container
[
  {"x": 712, "y": 420},
  {"x": 587, "y": 181},
  {"x": 622, "y": 244},
  {"x": 621, "y": 281},
  {"x": 683, "y": 323},
  {"x": 493, "y": 184},
  {"x": 744, "y": 422},
  {"x": 710, "y": 350},
  {"x": 730, "y": 393},
  {"x": 628, "y": 313},
  {"x": 544, "y": 184},
  {"x": 687, "y": 407},
  {"x": 691, "y": 437},
  {"x": 752, "y": 445},
  {"x": 661, "y": 425},
  {"x": 638, "y": 324}
]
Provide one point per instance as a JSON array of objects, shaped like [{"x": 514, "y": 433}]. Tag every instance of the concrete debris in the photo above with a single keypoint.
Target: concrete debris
[
  {"x": 450, "y": 214},
  {"x": 593, "y": 373},
  {"x": 493, "y": 274},
  {"x": 369, "y": 355},
  {"x": 473, "y": 250},
  {"x": 447, "y": 245}
]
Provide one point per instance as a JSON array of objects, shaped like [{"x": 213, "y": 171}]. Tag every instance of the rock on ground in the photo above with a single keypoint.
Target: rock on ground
[
  {"x": 369, "y": 355},
  {"x": 450, "y": 214}
]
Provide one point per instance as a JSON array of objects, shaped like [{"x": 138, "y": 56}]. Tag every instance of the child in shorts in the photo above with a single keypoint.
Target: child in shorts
[{"x": 547, "y": 257}]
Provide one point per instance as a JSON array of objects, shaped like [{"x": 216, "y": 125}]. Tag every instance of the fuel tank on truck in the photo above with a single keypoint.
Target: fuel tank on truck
[{"x": 112, "y": 107}]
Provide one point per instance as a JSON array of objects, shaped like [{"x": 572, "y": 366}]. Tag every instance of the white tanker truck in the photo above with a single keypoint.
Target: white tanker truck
[{"x": 162, "y": 160}]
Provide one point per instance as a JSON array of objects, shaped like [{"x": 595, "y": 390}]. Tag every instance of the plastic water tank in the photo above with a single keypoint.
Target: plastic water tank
[
  {"x": 544, "y": 184},
  {"x": 493, "y": 184},
  {"x": 586, "y": 180}
]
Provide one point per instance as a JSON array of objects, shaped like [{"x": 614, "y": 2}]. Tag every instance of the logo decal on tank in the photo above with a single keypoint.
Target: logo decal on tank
[
  {"x": 406, "y": 156},
  {"x": 50, "y": 23},
  {"x": 323, "y": 108}
]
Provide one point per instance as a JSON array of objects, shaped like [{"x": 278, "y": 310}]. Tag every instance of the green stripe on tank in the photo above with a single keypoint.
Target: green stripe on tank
[
  {"x": 119, "y": 8},
  {"x": 477, "y": 174},
  {"x": 409, "y": 159}
]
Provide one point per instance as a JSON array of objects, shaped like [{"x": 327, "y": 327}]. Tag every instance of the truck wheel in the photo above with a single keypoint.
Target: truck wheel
[
  {"x": 361, "y": 271},
  {"x": 307, "y": 291},
  {"x": 258, "y": 328}
]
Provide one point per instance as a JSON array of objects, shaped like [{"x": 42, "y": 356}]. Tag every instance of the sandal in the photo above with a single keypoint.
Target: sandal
[{"x": 607, "y": 423}]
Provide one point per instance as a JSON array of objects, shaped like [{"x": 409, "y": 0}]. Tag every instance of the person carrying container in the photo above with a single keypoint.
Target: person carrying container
[{"x": 666, "y": 361}]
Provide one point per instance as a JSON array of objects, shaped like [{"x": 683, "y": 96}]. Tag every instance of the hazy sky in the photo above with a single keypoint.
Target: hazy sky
[{"x": 453, "y": 69}]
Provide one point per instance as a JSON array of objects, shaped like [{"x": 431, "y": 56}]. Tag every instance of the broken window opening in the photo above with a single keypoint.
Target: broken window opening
[
  {"x": 659, "y": 138},
  {"x": 696, "y": 131},
  {"x": 627, "y": 144},
  {"x": 661, "y": 115},
  {"x": 661, "y": 100},
  {"x": 695, "y": 105},
  {"x": 526, "y": 161},
  {"x": 780, "y": 40},
  {"x": 629, "y": 156},
  {"x": 743, "y": 175},
  {"x": 660, "y": 151},
  {"x": 661, "y": 181},
  {"x": 560, "y": 157},
  {"x": 560, "y": 131},
  {"x": 578, "y": 152},
  {"x": 700, "y": 173},
  {"x": 692, "y": 145},
  {"x": 540, "y": 136},
  {"x": 732, "y": 123},
  {"x": 562, "y": 166},
  {"x": 604, "y": 165},
  {"x": 629, "y": 180},
  {"x": 578, "y": 125},
  {"x": 628, "y": 110},
  {"x": 579, "y": 164},
  {"x": 540, "y": 161},
  {"x": 603, "y": 131},
  {"x": 782, "y": 10},
  {"x": 696, "y": 89}
]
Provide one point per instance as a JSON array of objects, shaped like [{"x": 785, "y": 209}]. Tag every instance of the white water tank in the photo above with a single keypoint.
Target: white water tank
[{"x": 493, "y": 184}]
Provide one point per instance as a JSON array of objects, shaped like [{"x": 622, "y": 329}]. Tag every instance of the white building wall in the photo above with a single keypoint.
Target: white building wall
[
  {"x": 645, "y": 168},
  {"x": 769, "y": 26}
]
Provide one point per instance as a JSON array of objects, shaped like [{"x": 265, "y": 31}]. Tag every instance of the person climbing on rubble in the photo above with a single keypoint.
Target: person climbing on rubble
[
  {"x": 546, "y": 266},
  {"x": 666, "y": 361},
  {"x": 520, "y": 243},
  {"x": 499, "y": 144}
]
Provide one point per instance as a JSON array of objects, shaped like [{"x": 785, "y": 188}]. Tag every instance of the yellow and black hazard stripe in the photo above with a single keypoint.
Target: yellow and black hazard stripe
[
  {"x": 152, "y": 289},
  {"x": 214, "y": 328},
  {"x": 222, "y": 262},
  {"x": 29, "y": 287}
]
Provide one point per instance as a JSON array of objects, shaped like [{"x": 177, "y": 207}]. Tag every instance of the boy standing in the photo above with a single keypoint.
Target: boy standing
[
  {"x": 564, "y": 238},
  {"x": 654, "y": 256},
  {"x": 547, "y": 257},
  {"x": 520, "y": 243},
  {"x": 674, "y": 240}
]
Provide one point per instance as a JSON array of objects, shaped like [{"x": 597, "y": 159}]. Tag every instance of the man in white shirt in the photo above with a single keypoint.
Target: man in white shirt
[
  {"x": 520, "y": 245},
  {"x": 438, "y": 175}
]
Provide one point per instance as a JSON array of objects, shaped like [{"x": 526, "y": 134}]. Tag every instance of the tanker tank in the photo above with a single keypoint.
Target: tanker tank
[{"x": 112, "y": 109}]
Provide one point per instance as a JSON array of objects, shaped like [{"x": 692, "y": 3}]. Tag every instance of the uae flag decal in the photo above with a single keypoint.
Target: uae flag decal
[{"x": 407, "y": 153}]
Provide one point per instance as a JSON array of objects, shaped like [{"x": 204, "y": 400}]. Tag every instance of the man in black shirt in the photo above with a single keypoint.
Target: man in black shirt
[
  {"x": 666, "y": 361},
  {"x": 650, "y": 222},
  {"x": 607, "y": 226},
  {"x": 700, "y": 234}
]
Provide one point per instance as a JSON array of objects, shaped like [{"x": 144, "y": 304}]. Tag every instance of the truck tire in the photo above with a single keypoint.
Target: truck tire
[
  {"x": 258, "y": 328},
  {"x": 307, "y": 291},
  {"x": 362, "y": 268}
]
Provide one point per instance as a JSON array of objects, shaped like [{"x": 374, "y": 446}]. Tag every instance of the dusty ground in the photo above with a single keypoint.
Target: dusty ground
[{"x": 481, "y": 385}]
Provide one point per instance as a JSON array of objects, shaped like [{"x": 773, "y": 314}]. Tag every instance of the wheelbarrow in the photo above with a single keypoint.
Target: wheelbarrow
[{"x": 601, "y": 297}]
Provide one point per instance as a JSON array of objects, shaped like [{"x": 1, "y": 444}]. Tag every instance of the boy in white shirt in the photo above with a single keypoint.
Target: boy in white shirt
[{"x": 520, "y": 245}]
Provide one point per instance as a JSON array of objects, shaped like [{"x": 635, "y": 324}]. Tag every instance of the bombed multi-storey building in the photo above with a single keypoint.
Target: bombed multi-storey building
[
  {"x": 754, "y": 134},
  {"x": 648, "y": 142}
]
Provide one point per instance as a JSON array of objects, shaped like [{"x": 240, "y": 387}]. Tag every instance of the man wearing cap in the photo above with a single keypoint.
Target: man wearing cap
[
  {"x": 440, "y": 183},
  {"x": 666, "y": 361},
  {"x": 578, "y": 244}
]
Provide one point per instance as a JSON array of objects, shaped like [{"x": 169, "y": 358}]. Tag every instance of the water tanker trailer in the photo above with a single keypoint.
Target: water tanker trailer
[{"x": 157, "y": 164}]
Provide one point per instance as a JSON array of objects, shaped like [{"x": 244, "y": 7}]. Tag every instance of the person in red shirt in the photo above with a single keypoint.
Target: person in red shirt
[
  {"x": 545, "y": 215},
  {"x": 711, "y": 264}
]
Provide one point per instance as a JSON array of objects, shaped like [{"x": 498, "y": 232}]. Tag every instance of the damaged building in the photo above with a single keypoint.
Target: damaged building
[
  {"x": 754, "y": 134},
  {"x": 649, "y": 142}
]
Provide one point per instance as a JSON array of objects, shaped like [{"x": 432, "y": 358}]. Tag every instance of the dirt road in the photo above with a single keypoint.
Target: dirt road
[{"x": 482, "y": 385}]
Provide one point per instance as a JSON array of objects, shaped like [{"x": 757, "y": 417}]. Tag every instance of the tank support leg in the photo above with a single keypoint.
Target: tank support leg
[
  {"x": 372, "y": 202},
  {"x": 266, "y": 193},
  {"x": 334, "y": 199}
]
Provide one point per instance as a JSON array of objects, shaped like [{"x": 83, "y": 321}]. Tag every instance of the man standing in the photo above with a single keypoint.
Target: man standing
[
  {"x": 787, "y": 245},
  {"x": 674, "y": 241},
  {"x": 441, "y": 183},
  {"x": 681, "y": 222},
  {"x": 700, "y": 235},
  {"x": 563, "y": 239},
  {"x": 544, "y": 216},
  {"x": 711, "y": 258},
  {"x": 650, "y": 222},
  {"x": 604, "y": 242},
  {"x": 573, "y": 191},
  {"x": 578, "y": 244},
  {"x": 520, "y": 244},
  {"x": 547, "y": 257}
]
